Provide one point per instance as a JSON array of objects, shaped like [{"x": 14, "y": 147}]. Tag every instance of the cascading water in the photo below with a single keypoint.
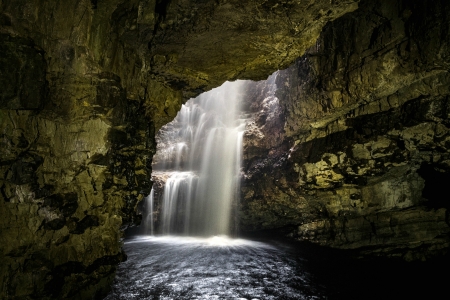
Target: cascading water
[{"x": 201, "y": 159}]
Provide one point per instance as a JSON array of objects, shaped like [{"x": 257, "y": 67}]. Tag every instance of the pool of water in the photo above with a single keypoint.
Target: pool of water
[{"x": 223, "y": 268}]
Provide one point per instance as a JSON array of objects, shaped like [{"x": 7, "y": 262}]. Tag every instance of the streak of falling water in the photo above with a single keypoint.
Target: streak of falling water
[
  {"x": 148, "y": 215},
  {"x": 204, "y": 160}
]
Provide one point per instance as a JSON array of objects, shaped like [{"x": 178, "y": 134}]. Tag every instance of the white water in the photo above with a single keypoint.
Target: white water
[
  {"x": 202, "y": 151},
  {"x": 147, "y": 219},
  {"x": 214, "y": 241}
]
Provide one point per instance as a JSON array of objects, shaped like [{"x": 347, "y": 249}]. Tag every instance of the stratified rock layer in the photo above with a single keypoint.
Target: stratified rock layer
[{"x": 367, "y": 137}]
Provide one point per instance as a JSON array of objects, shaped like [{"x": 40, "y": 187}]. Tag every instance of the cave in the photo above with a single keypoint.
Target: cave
[{"x": 350, "y": 161}]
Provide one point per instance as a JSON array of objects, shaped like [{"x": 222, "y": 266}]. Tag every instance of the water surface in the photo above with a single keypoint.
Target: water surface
[
  {"x": 222, "y": 268},
  {"x": 210, "y": 268}
]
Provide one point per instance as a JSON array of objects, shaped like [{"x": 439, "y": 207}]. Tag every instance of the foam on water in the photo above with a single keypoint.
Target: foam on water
[{"x": 213, "y": 241}]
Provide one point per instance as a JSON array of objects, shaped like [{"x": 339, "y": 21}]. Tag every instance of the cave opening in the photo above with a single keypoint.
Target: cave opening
[
  {"x": 190, "y": 222},
  {"x": 188, "y": 244}
]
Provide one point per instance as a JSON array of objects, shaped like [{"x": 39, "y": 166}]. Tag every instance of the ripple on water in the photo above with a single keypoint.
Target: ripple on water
[{"x": 219, "y": 267}]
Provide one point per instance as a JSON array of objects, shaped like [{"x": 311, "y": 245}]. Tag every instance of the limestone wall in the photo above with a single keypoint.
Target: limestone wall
[{"x": 76, "y": 149}]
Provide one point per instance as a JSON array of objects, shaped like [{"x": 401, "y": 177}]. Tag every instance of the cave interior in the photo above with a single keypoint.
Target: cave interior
[{"x": 352, "y": 152}]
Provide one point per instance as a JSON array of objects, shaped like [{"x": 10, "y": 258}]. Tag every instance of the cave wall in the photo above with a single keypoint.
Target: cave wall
[
  {"x": 75, "y": 149},
  {"x": 84, "y": 87},
  {"x": 363, "y": 160}
]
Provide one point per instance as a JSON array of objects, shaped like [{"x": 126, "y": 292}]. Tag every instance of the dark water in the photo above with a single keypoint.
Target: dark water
[{"x": 222, "y": 268}]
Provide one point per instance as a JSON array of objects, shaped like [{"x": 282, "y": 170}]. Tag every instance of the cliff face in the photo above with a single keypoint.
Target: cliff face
[
  {"x": 75, "y": 153},
  {"x": 84, "y": 86},
  {"x": 363, "y": 161}
]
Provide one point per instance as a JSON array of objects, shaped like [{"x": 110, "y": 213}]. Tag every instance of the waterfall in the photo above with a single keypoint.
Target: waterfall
[{"x": 199, "y": 155}]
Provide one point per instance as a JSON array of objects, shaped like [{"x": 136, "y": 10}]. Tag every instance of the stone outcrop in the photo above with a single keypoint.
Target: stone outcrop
[
  {"x": 366, "y": 136},
  {"x": 84, "y": 87}
]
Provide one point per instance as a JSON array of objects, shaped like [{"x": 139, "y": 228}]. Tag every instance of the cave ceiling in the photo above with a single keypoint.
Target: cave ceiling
[{"x": 196, "y": 45}]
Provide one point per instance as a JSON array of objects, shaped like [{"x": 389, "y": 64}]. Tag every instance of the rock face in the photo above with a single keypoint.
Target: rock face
[
  {"x": 363, "y": 161},
  {"x": 72, "y": 169},
  {"x": 84, "y": 87}
]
